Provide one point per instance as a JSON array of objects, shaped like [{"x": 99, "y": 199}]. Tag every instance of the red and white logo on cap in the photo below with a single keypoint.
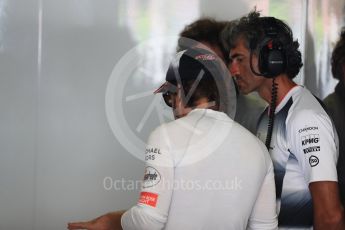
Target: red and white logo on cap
[{"x": 206, "y": 57}]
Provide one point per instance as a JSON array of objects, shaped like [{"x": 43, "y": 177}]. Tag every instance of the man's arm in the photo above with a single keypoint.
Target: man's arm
[
  {"x": 264, "y": 214},
  {"x": 152, "y": 209},
  {"x": 328, "y": 212},
  {"x": 314, "y": 144},
  {"x": 110, "y": 221}
]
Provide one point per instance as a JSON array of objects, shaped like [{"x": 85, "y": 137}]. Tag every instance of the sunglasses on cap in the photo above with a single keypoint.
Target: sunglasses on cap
[
  {"x": 168, "y": 90},
  {"x": 168, "y": 99}
]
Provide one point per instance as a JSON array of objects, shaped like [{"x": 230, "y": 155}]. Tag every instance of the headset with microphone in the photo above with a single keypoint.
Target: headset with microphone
[
  {"x": 272, "y": 61},
  {"x": 271, "y": 53}
]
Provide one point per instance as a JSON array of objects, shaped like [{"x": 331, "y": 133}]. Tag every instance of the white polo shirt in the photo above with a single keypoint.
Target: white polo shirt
[
  {"x": 205, "y": 171},
  {"x": 303, "y": 150}
]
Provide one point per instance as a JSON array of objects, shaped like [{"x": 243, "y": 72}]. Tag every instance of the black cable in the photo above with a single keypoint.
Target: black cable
[
  {"x": 273, "y": 103},
  {"x": 272, "y": 110}
]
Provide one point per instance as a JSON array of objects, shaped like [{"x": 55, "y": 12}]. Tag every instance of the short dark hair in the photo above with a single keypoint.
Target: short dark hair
[
  {"x": 252, "y": 28},
  {"x": 338, "y": 57},
  {"x": 205, "y": 30}
]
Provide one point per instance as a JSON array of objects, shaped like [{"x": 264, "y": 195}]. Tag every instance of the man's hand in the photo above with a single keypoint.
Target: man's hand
[
  {"x": 110, "y": 221},
  {"x": 328, "y": 212}
]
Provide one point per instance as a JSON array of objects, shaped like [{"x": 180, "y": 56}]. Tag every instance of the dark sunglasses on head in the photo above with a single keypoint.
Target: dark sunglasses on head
[{"x": 167, "y": 96}]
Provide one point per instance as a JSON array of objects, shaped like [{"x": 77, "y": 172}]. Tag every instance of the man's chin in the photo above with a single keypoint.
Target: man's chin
[{"x": 244, "y": 92}]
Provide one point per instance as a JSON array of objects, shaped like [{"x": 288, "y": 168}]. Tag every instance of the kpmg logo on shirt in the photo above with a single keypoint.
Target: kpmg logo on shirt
[
  {"x": 313, "y": 161},
  {"x": 310, "y": 139},
  {"x": 152, "y": 177}
]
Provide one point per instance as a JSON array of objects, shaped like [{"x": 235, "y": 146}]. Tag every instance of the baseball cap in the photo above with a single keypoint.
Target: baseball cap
[
  {"x": 189, "y": 64},
  {"x": 196, "y": 63}
]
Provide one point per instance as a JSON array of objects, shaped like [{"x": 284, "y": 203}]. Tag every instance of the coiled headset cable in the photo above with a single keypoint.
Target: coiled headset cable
[{"x": 271, "y": 115}]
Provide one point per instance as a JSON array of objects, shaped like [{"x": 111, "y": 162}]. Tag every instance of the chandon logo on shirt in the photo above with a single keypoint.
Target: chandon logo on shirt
[
  {"x": 152, "y": 177},
  {"x": 313, "y": 161},
  {"x": 307, "y": 129}
]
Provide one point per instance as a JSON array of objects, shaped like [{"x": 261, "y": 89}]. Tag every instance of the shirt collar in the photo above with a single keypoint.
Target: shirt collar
[{"x": 210, "y": 113}]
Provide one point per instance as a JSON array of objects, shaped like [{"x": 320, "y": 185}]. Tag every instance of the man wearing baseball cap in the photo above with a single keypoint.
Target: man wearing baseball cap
[{"x": 196, "y": 175}]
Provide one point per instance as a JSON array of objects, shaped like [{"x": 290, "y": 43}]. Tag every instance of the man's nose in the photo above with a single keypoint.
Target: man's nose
[{"x": 233, "y": 68}]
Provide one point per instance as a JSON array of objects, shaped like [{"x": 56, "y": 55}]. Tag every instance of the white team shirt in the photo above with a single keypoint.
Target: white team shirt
[
  {"x": 303, "y": 150},
  {"x": 205, "y": 171}
]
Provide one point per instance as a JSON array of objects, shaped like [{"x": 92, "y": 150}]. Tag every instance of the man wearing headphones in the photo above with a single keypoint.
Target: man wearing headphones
[
  {"x": 206, "y": 33},
  {"x": 296, "y": 129}
]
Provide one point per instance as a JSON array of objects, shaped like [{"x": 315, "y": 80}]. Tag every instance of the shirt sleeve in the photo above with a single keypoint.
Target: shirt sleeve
[
  {"x": 314, "y": 144},
  {"x": 264, "y": 215},
  {"x": 152, "y": 209}
]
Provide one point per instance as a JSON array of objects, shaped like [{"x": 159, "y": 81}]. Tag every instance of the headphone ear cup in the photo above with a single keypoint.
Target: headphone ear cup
[
  {"x": 275, "y": 63},
  {"x": 272, "y": 61},
  {"x": 263, "y": 58}
]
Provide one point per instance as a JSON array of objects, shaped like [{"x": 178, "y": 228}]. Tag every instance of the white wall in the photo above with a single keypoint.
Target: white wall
[
  {"x": 57, "y": 141},
  {"x": 18, "y": 93}
]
